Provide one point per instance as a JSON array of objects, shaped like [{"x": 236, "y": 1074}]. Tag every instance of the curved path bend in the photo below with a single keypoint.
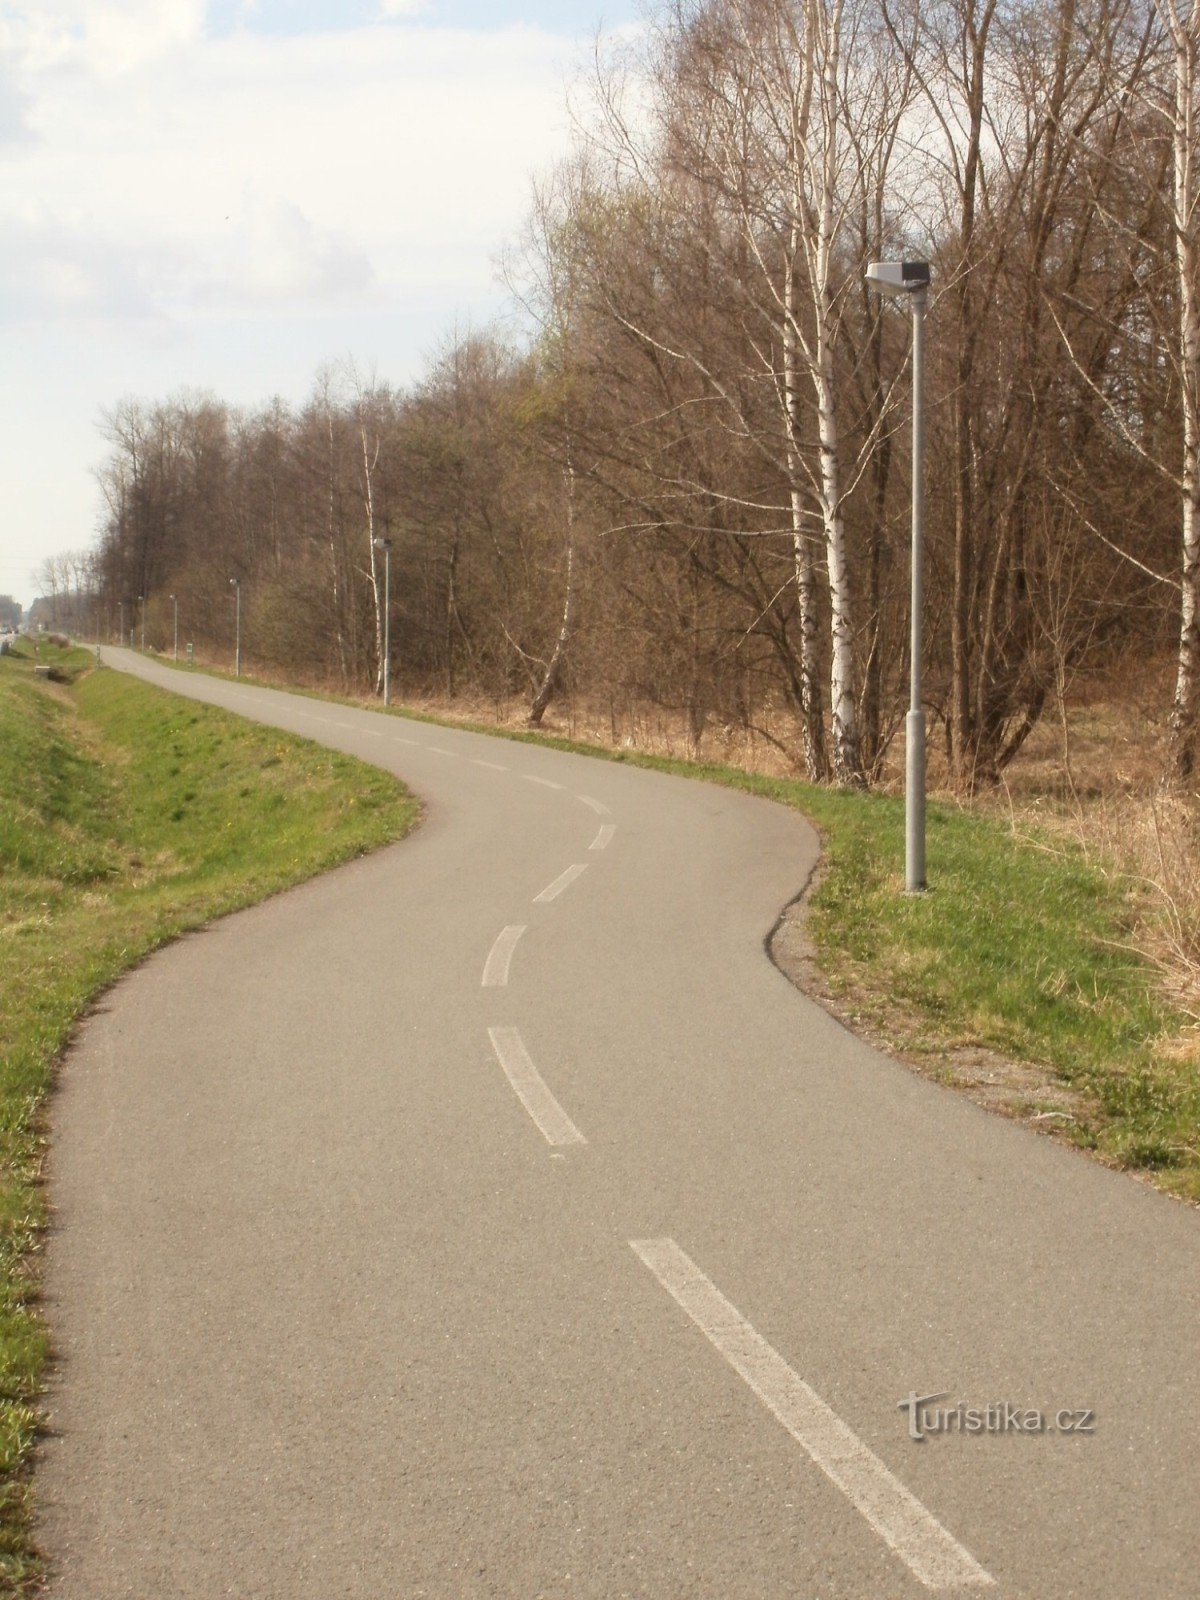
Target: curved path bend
[{"x": 491, "y": 1218}]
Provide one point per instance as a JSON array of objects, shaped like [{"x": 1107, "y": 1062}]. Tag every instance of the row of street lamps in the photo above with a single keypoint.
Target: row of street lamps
[
  {"x": 175, "y": 602},
  {"x": 236, "y": 584},
  {"x": 174, "y": 599}
]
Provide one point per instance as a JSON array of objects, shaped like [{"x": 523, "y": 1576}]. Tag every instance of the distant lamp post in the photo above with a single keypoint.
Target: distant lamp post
[
  {"x": 909, "y": 280},
  {"x": 142, "y": 603},
  {"x": 237, "y": 627},
  {"x": 175, "y": 603},
  {"x": 386, "y": 546},
  {"x": 120, "y": 621}
]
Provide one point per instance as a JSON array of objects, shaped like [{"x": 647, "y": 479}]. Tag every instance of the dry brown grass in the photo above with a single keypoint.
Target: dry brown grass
[{"x": 1094, "y": 773}]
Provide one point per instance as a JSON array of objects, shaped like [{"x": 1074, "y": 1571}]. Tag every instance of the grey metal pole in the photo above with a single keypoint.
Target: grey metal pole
[
  {"x": 236, "y": 586},
  {"x": 175, "y": 603},
  {"x": 387, "y": 624},
  {"x": 914, "y": 787},
  {"x": 142, "y": 600}
]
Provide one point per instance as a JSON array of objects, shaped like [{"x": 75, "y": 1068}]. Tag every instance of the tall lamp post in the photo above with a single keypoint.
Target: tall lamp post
[
  {"x": 120, "y": 622},
  {"x": 386, "y": 546},
  {"x": 142, "y": 603},
  {"x": 175, "y": 603},
  {"x": 237, "y": 627},
  {"x": 909, "y": 280}
]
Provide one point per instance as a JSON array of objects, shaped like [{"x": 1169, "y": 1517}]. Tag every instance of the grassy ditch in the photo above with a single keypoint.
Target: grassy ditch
[{"x": 127, "y": 815}]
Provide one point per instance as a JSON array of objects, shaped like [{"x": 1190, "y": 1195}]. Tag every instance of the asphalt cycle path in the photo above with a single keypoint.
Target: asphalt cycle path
[{"x": 491, "y": 1218}]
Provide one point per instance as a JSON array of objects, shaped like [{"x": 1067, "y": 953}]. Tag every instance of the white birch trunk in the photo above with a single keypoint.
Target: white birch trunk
[
  {"x": 826, "y": 25},
  {"x": 331, "y": 537},
  {"x": 373, "y": 569},
  {"x": 1184, "y": 27},
  {"x": 549, "y": 683},
  {"x": 811, "y": 708}
]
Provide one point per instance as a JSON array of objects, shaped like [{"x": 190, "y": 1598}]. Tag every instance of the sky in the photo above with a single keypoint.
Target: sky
[{"x": 224, "y": 195}]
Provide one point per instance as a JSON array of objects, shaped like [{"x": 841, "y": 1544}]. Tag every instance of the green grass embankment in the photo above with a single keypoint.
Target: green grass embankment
[{"x": 127, "y": 815}]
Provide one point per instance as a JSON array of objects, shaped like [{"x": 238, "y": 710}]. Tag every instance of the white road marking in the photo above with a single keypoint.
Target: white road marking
[
  {"x": 437, "y": 750},
  {"x": 373, "y": 733},
  {"x": 931, "y": 1554},
  {"x": 604, "y": 838},
  {"x": 398, "y": 738},
  {"x": 492, "y": 766},
  {"x": 531, "y": 1089},
  {"x": 563, "y": 881},
  {"x": 546, "y": 783},
  {"x": 495, "y": 969},
  {"x": 597, "y": 806}
]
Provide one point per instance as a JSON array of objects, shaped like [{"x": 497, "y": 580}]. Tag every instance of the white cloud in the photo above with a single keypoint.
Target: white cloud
[
  {"x": 268, "y": 255},
  {"x": 106, "y": 37},
  {"x": 250, "y": 165},
  {"x": 275, "y": 256},
  {"x": 49, "y": 270}
]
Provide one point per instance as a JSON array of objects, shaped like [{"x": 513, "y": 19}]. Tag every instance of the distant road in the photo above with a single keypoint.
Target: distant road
[{"x": 491, "y": 1218}]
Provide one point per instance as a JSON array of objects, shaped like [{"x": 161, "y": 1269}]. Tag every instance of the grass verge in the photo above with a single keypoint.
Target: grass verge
[
  {"x": 127, "y": 816},
  {"x": 1023, "y": 950}
]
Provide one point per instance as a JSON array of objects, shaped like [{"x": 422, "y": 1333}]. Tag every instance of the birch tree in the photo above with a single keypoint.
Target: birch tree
[{"x": 1182, "y": 23}]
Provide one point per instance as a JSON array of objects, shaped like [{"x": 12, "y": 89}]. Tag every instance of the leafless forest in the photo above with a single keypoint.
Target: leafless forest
[{"x": 685, "y": 483}]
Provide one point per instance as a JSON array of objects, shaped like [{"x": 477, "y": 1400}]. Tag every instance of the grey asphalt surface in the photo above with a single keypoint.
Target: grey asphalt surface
[{"x": 334, "y": 1319}]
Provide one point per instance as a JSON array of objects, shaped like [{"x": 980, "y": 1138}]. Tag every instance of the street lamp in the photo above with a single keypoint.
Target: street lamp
[
  {"x": 175, "y": 602},
  {"x": 386, "y": 546},
  {"x": 142, "y": 603},
  {"x": 237, "y": 627},
  {"x": 120, "y": 622},
  {"x": 909, "y": 280}
]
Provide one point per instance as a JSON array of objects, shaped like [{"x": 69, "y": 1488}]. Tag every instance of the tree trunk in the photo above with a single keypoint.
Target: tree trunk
[
  {"x": 1185, "y": 34},
  {"x": 369, "y": 463},
  {"x": 549, "y": 683},
  {"x": 812, "y": 719}
]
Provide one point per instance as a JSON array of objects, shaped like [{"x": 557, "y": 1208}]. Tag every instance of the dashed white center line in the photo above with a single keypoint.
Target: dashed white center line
[
  {"x": 531, "y": 1090},
  {"x": 546, "y": 783},
  {"x": 563, "y": 881},
  {"x": 597, "y": 806},
  {"x": 492, "y": 766},
  {"x": 495, "y": 970},
  {"x": 603, "y": 838},
  {"x": 931, "y": 1554},
  {"x": 437, "y": 750}
]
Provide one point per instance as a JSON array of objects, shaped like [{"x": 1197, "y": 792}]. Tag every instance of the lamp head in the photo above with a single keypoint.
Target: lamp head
[{"x": 898, "y": 277}]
